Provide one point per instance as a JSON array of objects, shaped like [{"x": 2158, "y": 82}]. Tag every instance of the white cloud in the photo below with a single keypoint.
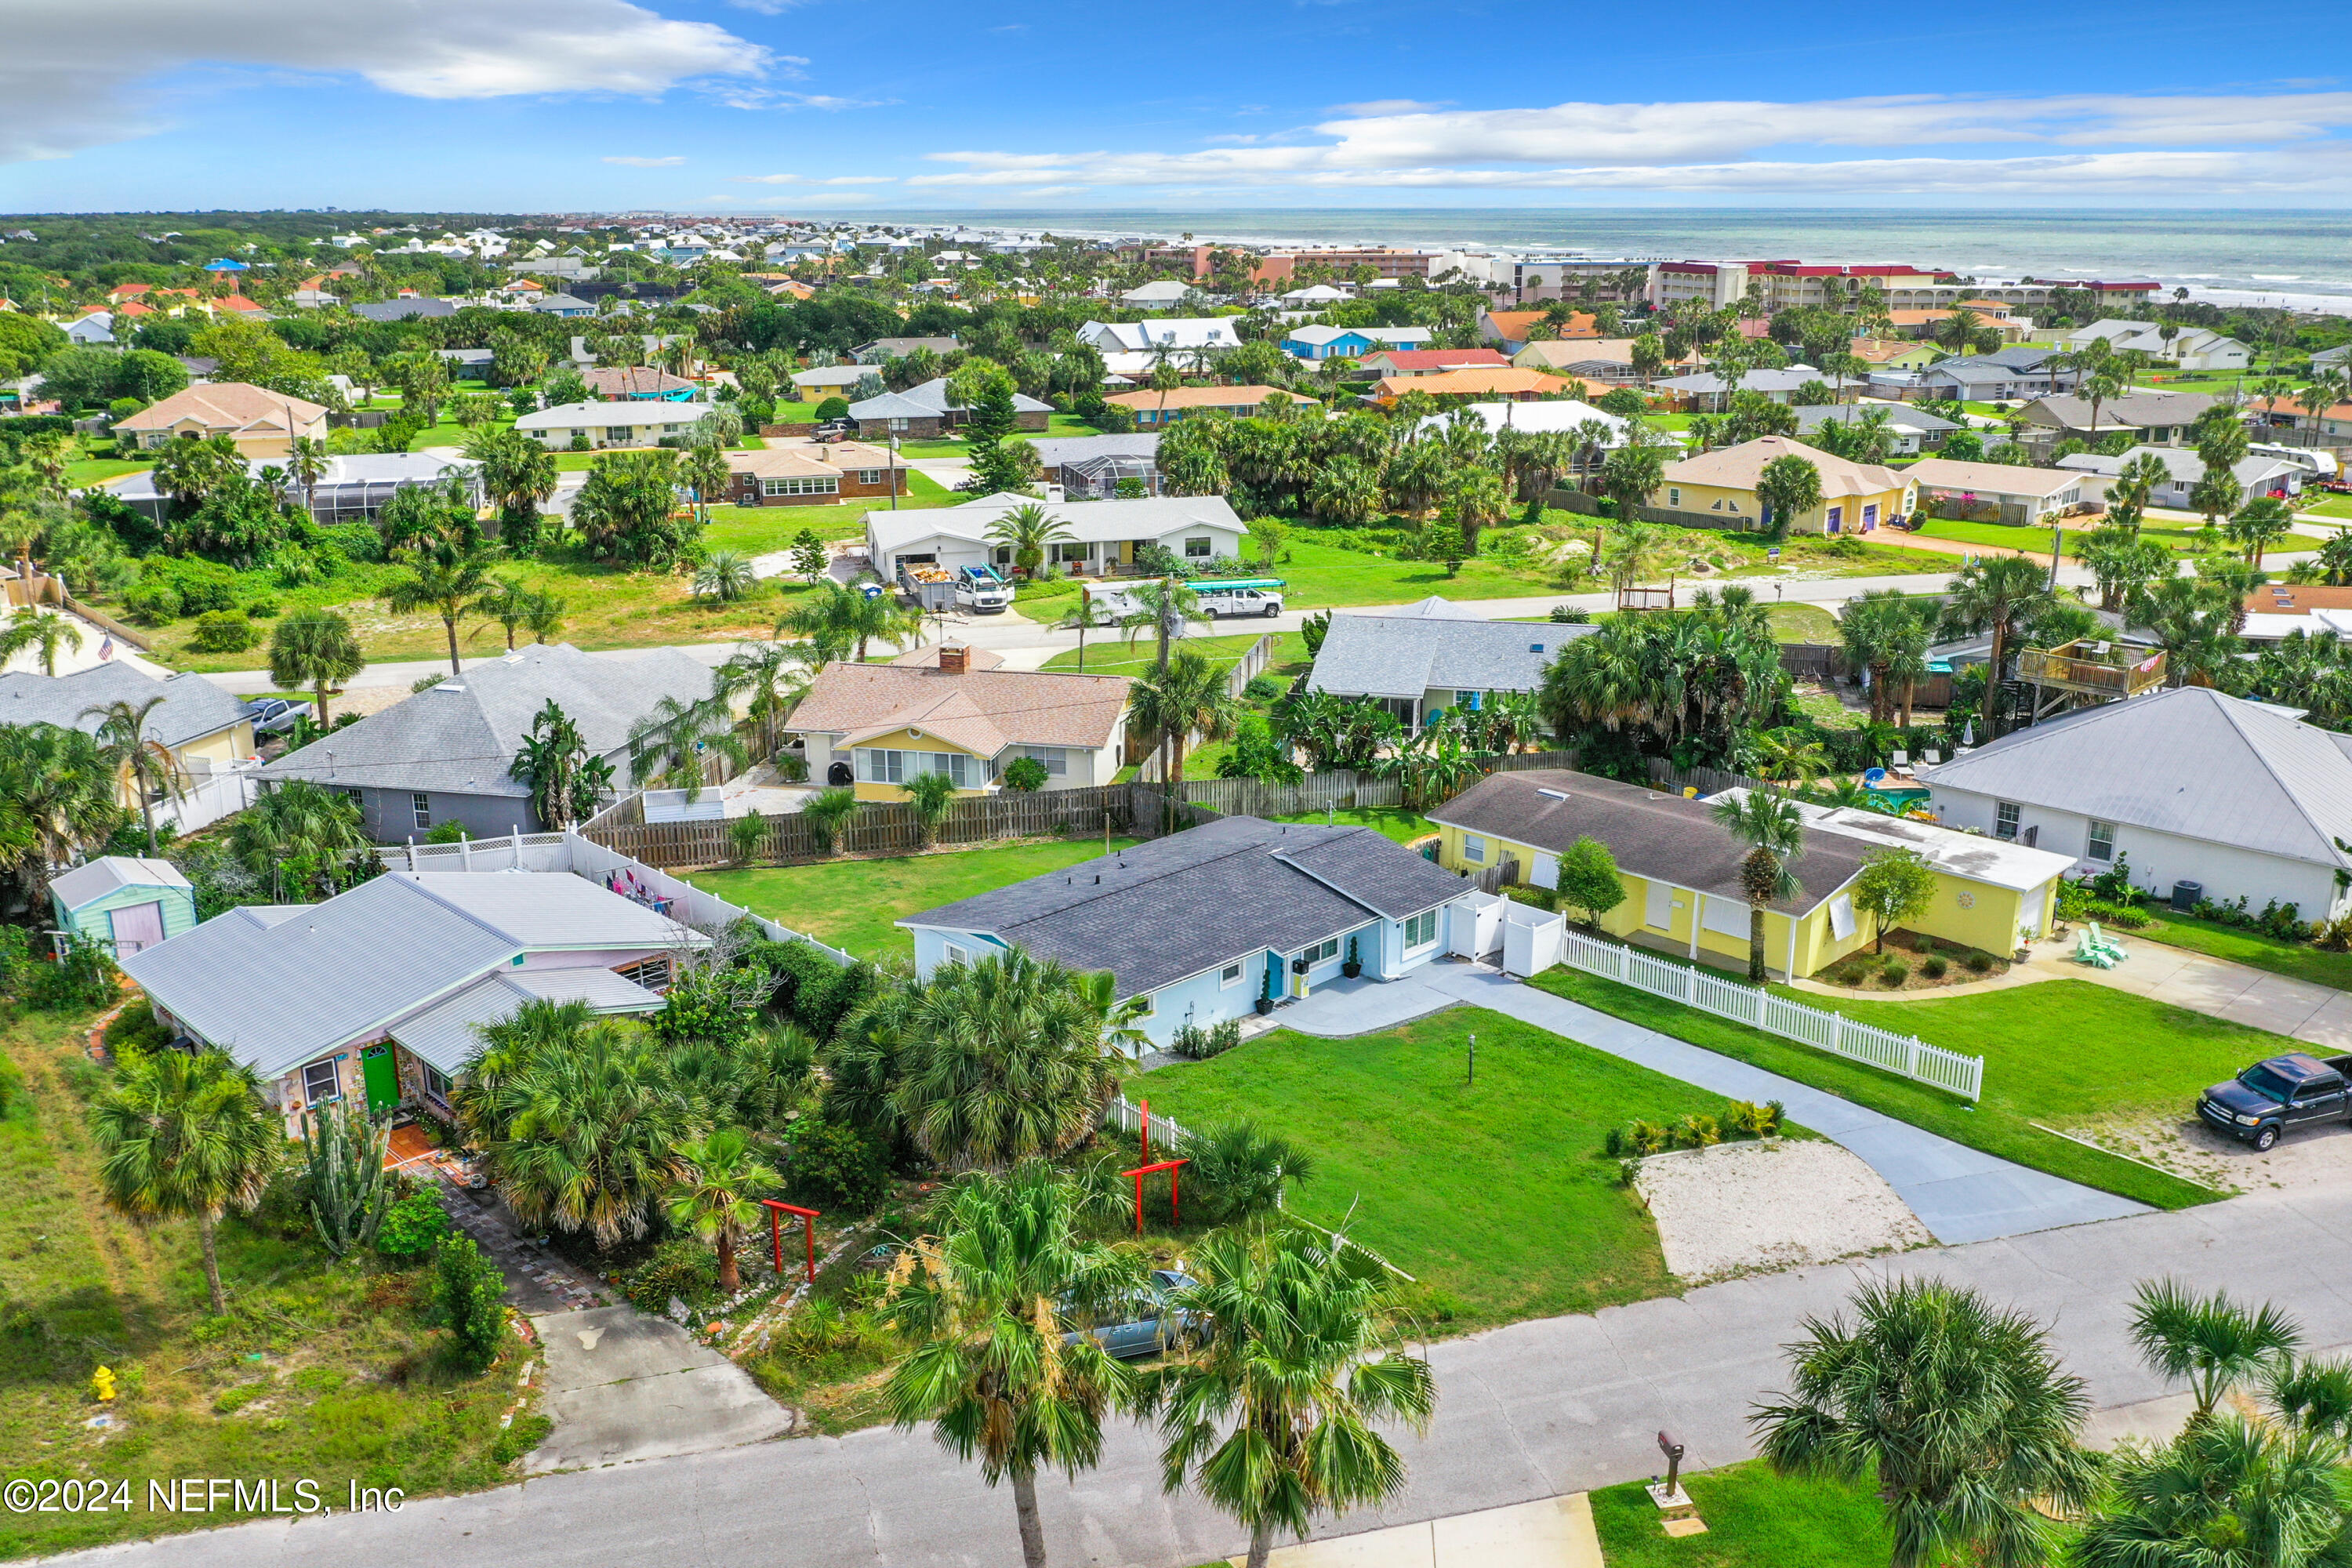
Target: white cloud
[
  {"x": 737, "y": 96},
  {"x": 69, "y": 69},
  {"x": 627, "y": 163},
  {"x": 1386, "y": 106},
  {"x": 2080, "y": 144},
  {"x": 804, "y": 180}
]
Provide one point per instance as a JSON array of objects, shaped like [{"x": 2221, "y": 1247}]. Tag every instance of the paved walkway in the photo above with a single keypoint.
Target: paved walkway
[{"x": 1959, "y": 1193}]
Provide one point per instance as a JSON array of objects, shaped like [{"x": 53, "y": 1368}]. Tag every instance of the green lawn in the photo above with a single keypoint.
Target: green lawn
[
  {"x": 2065, "y": 1053},
  {"x": 323, "y": 1370},
  {"x": 2333, "y": 506},
  {"x": 1754, "y": 1519},
  {"x": 1112, "y": 656},
  {"x": 1495, "y": 1195},
  {"x": 1398, "y": 824},
  {"x": 756, "y": 529},
  {"x": 2297, "y": 960},
  {"x": 851, "y": 904},
  {"x": 1801, "y": 623},
  {"x": 2188, "y": 540},
  {"x": 84, "y": 471},
  {"x": 955, "y": 447}
]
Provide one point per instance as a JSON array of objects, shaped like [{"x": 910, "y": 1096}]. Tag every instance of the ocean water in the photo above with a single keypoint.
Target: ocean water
[{"x": 2277, "y": 257}]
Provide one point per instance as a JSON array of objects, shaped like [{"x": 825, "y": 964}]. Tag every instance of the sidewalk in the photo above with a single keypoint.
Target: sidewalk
[{"x": 1550, "y": 1532}]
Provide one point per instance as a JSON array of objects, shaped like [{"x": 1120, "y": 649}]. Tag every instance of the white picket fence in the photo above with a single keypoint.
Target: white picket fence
[{"x": 1834, "y": 1032}]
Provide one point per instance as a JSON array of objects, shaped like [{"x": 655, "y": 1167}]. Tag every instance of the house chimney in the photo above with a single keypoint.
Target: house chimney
[{"x": 952, "y": 657}]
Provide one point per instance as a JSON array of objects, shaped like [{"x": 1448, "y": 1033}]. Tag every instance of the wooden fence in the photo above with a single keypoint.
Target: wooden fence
[
  {"x": 1906, "y": 1055},
  {"x": 1253, "y": 663}
]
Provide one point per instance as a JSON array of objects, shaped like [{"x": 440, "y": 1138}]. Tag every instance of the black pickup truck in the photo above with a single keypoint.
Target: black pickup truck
[{"x": 2276, "y": 1096}]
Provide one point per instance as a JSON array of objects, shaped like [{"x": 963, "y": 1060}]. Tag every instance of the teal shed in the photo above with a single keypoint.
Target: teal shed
[{"x": 126, "y": 901}]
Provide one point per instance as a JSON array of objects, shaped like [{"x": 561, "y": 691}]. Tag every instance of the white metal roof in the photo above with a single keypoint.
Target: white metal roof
[
  {"x": 447, "y": 1035},
  {"x": 90, "y": 882}
]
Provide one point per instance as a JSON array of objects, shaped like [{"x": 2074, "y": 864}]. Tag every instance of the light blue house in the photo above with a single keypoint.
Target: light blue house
[
  {"x": 1351, "y": 342},
  {"x": 125, "y": 903},
  {"x": 1203, "y": 923}
]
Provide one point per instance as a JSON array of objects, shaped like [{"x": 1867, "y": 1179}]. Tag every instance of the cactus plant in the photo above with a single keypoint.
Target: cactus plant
[{"x": 344, "y": 1180}]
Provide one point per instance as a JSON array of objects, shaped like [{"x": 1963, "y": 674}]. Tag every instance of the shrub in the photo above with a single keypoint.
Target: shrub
[
  {"x": 680, "y": 1269},
  {"x": 470, "y": 1292},
  {"x": 1614, "y": 1143},
  {"x": 222, "y": 631},
  {"x": 1197, "y": 1044},
  {"x": 832, "y": 408},
  {"x": 1645, "y": 1137},
  {"x": 1262, "y": 689},
  {"x": 1698, "y": 1132},
  {"x": 353, "y": 540},
  {"x": 1934, "y": 967},
  {"x": 151, "y": 603},
  {"x": 579, "y": 444},
  {"x": 1541, "y": 898},
  {"x": 82, "y": 977},
  {"x": 1571, "y": 616},
  {"x": 1743, "y": 1119},
  {"x": 1895, "y": 971},
  {"x": 412, "y": 1228},
  {"x": 201, "y": 584},
  {"x": 812, "y": 990},
  {"x": 1979, "y": 962},
  {"x": 791, "y": 767},
  {"x": 1026, "y": 774},
  {"x": 262, "y": 608},
  {"x": 835, "y": 1167}
]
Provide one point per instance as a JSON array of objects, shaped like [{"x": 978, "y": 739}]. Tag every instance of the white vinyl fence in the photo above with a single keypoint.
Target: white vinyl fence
[{"x": 1834, "y": 1032}]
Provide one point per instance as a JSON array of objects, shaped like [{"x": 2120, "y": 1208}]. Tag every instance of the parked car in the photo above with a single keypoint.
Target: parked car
[
  {"x": 273, "y": 715},
  {"x": 1145, "y": 1325},
  {"x": 2275, "y": 1096},
  {"x": 836, "y": 429},
  {"x": 1226, "y": 602}
]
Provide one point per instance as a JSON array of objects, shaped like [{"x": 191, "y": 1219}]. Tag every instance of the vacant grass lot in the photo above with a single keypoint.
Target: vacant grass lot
[
  {"x": 1395, "y": 821},
  {"x": 2295, "y": 960},
  {"x": 2065, "y": 1053},
  {"x": 319, "y": 1370},
  {"x": 2186, "y": 540},
  {"x": 1496, "y": 1193},
  {"x": 1801, "y": 623},
  {"x": 1754, "y": 1519},
  {"x": 1109, "y": 653},
  {"x": 851, "y": 904}
]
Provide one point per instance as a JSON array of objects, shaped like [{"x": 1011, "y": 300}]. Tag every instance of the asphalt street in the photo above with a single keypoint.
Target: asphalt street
[{"x": 1530, "y": 1411}]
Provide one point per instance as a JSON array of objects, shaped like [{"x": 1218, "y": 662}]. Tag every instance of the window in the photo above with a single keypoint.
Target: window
[
  {"x": 1199, "y": 549},
  {"x": 869, "y": 476},
  {"x": 951, "y": 953},
  {"x": 1056, "y": 760},
  {"x": 2102, "y": 841},
  {"x": 320, "y": 1082},
  {"x": 653, "y": 974},
  {"x": 1322, "y": 951},
  {"x": 436, "y": 1083},
  {"x": 811, "y": 486},
  {"x": 1064, "y": 553},
  {"x": 878, "y": 766},
  {"x": 2004, "y": 819},
  {"x": 422, "y": 805},
  {"x": 1674, "y": 495},
  {"x": 1420, "y": 929},
  {"x": 1474, "y": 849},
  {"x": 1229, "y": 976}
]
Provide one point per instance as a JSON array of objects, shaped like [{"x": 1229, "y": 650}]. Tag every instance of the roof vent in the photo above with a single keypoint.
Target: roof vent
[{"x": 1555, "y": 793}]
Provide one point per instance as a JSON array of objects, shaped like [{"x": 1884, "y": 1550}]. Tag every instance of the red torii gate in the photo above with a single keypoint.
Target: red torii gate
[
  {"x": 1171, "y": 1166},
  {"x": 776, "y": 1212}
]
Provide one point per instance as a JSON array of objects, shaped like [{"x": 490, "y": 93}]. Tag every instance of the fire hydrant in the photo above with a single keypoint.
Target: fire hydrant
[{"x": 101, "y": 1382}]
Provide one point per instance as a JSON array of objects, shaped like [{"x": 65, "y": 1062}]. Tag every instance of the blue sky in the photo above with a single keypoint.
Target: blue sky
[{"x": 826, "y": 105}]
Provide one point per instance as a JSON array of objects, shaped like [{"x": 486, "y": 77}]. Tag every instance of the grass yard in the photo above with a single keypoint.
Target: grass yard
[
  {"x": 850, "y": 904},
  {"x": 955, "y": 447},
  {"x": 1495, "y": 1195},
  {"x": 2186, "y": 540},
  {"x": 319, "y": 1370},
  {"x": 1801, "y": 623},
  {"x": 2295, "y": 960},
  {"x": 2331, "y": 506},
  {"x": 1112, "y": 656},
  {"x": 1395, "y": 821},
  {"x": 2065, "y": 1053},
  {"x": 1754, "y": 1519}
]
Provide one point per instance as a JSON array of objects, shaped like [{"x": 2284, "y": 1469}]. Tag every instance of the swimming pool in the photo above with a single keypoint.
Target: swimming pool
[{"x": 1899, "y": 801}]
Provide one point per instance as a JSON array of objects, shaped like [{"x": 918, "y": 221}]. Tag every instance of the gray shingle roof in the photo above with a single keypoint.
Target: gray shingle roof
[
  {"x": 1174, "y": 907},
  {"x": 278, "y": 992},
  {"x": 1060, "y": 450},
  {"x": 461, "y": 736},
  {"x": 929, "y": 400},
  {"x": 1811, "y": 416},
  {"x": 1659, "y": 837},
  {"x": 193, "y": 706},
  {"x": 1396, "y": 656},
  {"x": 2190, "y": 761},
  {"x": 2141, "y": 408},
  {"x": 402, "y": 309}
]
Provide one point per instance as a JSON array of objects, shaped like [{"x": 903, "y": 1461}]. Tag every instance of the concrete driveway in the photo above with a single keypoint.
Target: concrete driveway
[
  {"x": 2299, "y": 1010},
  {"x": 622, "y": 1386}
]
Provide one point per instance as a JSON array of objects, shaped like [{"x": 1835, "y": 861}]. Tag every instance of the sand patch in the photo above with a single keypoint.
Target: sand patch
[{"x": 1778, "y": 1204}]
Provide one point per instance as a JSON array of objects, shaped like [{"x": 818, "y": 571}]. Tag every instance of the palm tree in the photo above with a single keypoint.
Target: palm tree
[
  {"x": 1790, "y": 757},
  {"x": 124, "y": 743},
  {"x": 59, "y": 789},
  {"x": 2259, "y": 524},
  {"x": 2127, "y": 497},
  {"x": 985, "y": 1301},
  {"x": 507, "y": 605},
  {"x": 2211, "y": 1344},
  {"x": 715, "y": 1197},
  {"x": 1787, "y": 488},
  {"x": 185, "y": 1136},
  {"x": 1029, "y": 529},
  {"x": 1774, "y": 833},
  {"x": 1957, "y": 1411},
  {"x": 826, "y": 811},
  {"x": 589, "y": 1131},
  {"x": 565, "y": 782},
  {"x": 446, "y": 580},
  {"x": 1168, "y": 607},
  {"x": 667, "y": 746},
  {"x": 2100, "y": 388},
  {"x": 2223, "y": 1494},
  {"x": 314, "y": 648},
  {"x": 724, "y": 577},
  {"x": 43, "y": 629},
  {"x": 1996, "y": 592},
  {"x": 1000, "y": 1061},
  {"x": 1083, "y": 616},
  {"x": 771, "y": 678},
  {"x": 1274, "y": 1415},
  {"x": 838, "y": 619},
  {"x": 518, "y": 472},
  {"x": 1185, "y": 698},
  {"x": 301, "y": 828},
  {"x": 704, "y": 472},
  {"x": 1635, "y": 550},
  {"x": 306, "y": 465}
]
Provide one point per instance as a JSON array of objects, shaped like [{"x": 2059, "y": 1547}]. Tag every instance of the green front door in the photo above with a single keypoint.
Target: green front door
[{"x": 383, "y": 1076}]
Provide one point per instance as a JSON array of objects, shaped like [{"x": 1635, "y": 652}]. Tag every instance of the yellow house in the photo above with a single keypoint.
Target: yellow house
[
  {"x": 1681, "y": 872},
  {"x": 205, "y": 729},
  {"x": 263, "y": 424},
  {"x": 949, "y": 709},
  {"x": 1856, "y": 497}
]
